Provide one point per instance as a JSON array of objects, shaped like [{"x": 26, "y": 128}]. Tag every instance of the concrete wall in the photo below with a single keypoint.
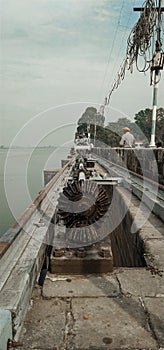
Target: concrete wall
[
  {"x": 135, "y": 243},
  {"x": 127, "y": 247},
  {"x": 143, "y": 161}
]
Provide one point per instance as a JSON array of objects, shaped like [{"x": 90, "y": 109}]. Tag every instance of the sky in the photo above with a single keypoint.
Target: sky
[{"x": 59, "y": 57}]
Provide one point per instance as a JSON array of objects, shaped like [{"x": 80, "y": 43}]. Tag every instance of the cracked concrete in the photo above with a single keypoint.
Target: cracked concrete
[
  {"x": 122, "y": 310},
  {"x": 119, "y": 310}
]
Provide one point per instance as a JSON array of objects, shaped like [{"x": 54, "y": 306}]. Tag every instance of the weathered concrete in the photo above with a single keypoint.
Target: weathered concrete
[
  {"x": 5, "y": 328},
  {"x": 155, "y": 311},
  {"x": 121, "y": 310},
  {"x": 134, "y": 246},
  {"x": 17, "y": 289},
  {"x": 141, "y": 282},
  {"x": 45, "y": 328},
  {"x": 119, "y": 322},
  {"x": 92, "y": 263},
  {"x": 104, "y": 312},
  {"x": 155, "y": 252},
  {"x": 79, "y": 286},
  {"x": 22, "y": 262}
]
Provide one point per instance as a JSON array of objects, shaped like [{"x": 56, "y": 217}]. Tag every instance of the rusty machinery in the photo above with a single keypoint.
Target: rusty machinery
[{"x": 82, "y": 208}]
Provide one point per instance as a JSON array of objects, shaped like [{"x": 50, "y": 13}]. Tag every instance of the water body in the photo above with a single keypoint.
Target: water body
[{"x": 21, "y": 178}]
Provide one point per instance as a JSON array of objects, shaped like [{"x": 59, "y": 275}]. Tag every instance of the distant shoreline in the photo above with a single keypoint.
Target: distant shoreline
[{"x": 31, "y": 147}]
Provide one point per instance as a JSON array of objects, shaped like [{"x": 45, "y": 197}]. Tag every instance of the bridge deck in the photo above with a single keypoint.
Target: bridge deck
[
  {"x": 122, "y": 310},
  {"x": 117, "y": 310}
]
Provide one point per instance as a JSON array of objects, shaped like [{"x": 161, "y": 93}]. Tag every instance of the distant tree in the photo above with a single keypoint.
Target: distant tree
[
  {"x": 143, "y": 120},
  {"x": 91, "y": 116},
  {"x": 160, "y": 124},
  {"x": 90, "y": 121},
  {"x": 106, "y": 137},
  {"x": 112, "y": 138},
  {"x": 93, "y": 121},
  {"x": 121, "y": 123},
  {"x": 117, "y": 126}
]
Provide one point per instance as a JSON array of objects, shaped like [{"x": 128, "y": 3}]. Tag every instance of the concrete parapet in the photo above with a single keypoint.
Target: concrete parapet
[
  {"x": 5, "y": 328},
  {"x": 143, "y": 161},
  {"x": 21, "y": 263}
]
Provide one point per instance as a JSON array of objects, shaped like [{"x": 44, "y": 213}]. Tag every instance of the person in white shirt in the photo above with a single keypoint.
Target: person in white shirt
[
  {"x": 127, "y": 139},
  {"x": 81, "y": 166},
  {"x": 81, "y": 177}
]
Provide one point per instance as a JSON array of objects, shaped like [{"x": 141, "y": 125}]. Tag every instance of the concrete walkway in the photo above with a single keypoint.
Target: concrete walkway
[{"x": 122, "y": 310}]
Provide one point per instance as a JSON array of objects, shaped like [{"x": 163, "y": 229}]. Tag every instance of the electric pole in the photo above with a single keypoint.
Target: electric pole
[
  {"x": 157, "y": 65},
  {"x": 155, "y": 69}
]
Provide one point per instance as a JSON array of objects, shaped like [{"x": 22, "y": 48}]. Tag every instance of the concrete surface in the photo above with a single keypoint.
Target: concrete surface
[
  {"x": 122, "y": 310},
  {"x": 91, "y": 286},
  {"x": 119, "y": 310},
  {"x": 5, "y": 328},
  {"x": 93, "y": 262}
]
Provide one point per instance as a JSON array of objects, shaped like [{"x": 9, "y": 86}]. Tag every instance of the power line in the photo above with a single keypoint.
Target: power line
[
  {"x": 118, "y": 54},
  {"x": 139, "y": 43},
  {"x": 115, "y": 65},
  {"x": 113, "y": 42}
]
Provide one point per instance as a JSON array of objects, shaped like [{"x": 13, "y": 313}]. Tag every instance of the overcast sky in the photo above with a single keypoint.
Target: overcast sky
[{"x": 59, "y": 57}]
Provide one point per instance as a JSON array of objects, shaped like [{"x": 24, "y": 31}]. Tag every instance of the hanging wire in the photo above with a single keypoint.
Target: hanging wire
[
  {"x": 139, "y": 40},
  {"x": 120, "y": 47},
  {"x": 139, "y": 44},
  {"x": 113, "y": 43}
]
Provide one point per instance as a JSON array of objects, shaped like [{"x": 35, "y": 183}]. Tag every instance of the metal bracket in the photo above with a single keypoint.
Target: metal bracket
[
  {"x": 158, "y": 61},
  {"x": 109, "y": 181}
]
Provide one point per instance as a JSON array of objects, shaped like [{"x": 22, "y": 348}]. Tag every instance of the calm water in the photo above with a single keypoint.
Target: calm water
[{"x": 21, "y": 178}]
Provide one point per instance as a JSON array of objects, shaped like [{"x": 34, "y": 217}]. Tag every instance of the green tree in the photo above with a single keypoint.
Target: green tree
[
  {"x": 160, "y": 124},
  {"x": 133, "y": 126},
  {"x": 143, "y": 120},
  {"x": 111, "y": 134}
]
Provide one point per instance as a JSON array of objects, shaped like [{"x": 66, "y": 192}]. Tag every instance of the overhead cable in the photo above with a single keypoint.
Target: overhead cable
[{"x": 139, "y": 44}]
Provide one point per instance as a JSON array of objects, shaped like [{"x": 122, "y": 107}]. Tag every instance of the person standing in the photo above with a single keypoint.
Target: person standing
[
  {"x": 127, "y": 139},
  {"x": 81, "y": 176}
]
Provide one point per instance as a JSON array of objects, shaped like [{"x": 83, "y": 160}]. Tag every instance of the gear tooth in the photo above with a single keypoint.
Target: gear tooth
[{"x": 92, "y": 202}]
